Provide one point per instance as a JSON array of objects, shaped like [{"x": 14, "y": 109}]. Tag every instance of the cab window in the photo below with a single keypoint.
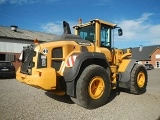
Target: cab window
[{"x": 87, "y": 33}]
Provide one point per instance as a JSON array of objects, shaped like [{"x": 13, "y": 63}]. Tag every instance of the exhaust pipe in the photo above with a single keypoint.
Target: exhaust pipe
[{"x": 66, "y": 28}]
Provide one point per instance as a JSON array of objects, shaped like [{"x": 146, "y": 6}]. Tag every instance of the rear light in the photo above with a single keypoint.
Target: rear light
[{"x": 71, "y": 60}]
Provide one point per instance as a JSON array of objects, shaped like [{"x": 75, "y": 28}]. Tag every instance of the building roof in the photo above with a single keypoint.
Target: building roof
[
  {"x": 6, "y": 32},
  {"x": 143, "y": 53}
]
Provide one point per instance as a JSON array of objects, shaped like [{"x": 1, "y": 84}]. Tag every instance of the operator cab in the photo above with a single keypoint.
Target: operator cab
[{"x": 97, "y": 32}]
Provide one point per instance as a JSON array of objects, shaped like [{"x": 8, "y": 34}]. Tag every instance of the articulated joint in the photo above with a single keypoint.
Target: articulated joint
[{"x": 128, "y": 53}]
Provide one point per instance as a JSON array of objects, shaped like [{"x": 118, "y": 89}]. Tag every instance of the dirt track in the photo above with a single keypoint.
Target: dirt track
[{"x": 20, "y": 101}]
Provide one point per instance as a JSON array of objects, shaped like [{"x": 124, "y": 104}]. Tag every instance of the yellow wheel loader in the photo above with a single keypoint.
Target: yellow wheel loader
[{"x": 84, "y": 66}]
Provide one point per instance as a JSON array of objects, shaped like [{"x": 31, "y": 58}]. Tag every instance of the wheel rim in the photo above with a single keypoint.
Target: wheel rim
[
  {"x": 96, "y": 87},
  {"x": 141, "y": 79}
]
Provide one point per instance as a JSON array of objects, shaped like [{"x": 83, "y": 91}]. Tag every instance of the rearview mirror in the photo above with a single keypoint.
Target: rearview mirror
[{"x": 120, "y": 32}]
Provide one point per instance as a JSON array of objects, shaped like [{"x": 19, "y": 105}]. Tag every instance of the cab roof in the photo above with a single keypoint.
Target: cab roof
[
  {"x": 96, "y": 20},
  {"x": 104, "y": 22}
]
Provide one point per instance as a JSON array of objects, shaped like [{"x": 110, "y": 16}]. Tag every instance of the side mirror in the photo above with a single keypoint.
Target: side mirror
[{"x": 120, "y": 32}]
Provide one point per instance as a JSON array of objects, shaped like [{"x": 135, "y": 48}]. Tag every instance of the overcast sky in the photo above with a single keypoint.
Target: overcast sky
[{"x": 139, "y": 19}]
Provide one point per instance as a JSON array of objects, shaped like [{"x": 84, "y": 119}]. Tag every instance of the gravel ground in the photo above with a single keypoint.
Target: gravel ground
[{"x": 22, "y": 102}]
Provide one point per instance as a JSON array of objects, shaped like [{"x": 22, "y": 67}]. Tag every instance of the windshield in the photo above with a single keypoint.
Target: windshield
[{"x": 87, "y": 33}]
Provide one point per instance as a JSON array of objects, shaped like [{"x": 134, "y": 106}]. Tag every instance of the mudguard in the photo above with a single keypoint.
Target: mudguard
[
  {"x": 124, "y": 77},
  {"x": 84, "y": 59},
  {"x": 87, "y": 58}
]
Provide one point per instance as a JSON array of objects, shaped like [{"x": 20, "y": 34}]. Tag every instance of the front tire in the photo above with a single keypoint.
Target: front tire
[
  {"x": 139, "y": 80},
  {"x": 93, "y": 87}
]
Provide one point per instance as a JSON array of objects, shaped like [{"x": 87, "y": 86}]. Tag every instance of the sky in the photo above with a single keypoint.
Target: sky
[{"x": 139, "y": 19}]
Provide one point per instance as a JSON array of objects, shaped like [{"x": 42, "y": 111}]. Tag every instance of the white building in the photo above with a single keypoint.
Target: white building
[{"x": 12, "y": 40}]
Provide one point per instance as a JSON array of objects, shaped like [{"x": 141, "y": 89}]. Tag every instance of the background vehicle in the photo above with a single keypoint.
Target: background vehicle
[
  {"x": 7, "y": 69},
  {"x": 148, "y": 66},
  {"x": 84, "y": 66}
]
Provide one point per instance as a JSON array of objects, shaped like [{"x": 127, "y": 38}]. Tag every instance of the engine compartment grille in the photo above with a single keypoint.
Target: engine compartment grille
[
  {"x": 27, "y": 59},
  {"x": 57, "y": 53}
]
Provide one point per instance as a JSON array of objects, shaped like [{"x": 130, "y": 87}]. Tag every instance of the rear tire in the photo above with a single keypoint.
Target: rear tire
[
  {"x": 139, "y": 80},
  {"x": 93, "y": 87}
]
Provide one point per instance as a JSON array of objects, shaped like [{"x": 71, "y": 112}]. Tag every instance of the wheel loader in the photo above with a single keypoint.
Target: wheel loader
[{"x": 84, "y": 65}]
